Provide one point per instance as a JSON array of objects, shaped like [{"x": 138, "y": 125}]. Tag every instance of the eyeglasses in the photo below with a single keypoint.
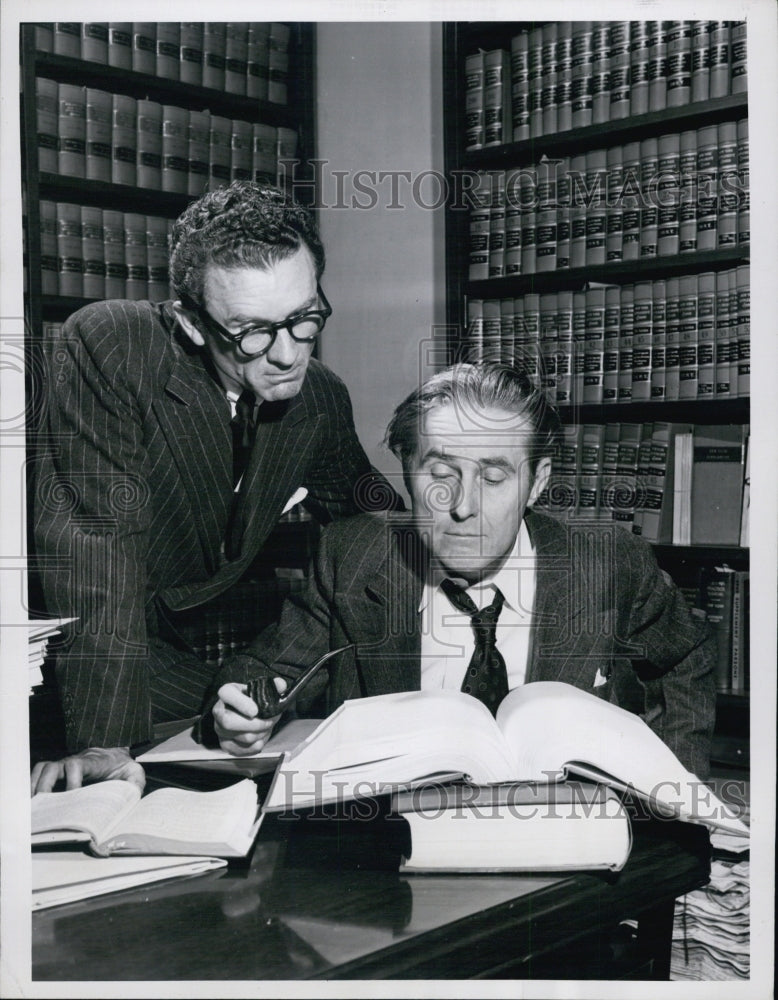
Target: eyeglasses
[{"x": 253, "y": 342}]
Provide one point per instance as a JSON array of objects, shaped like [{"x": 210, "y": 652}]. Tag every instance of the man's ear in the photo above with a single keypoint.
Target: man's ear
[
  {"x": 187, "y": 324},
  {"x": 542, "y": 474}
]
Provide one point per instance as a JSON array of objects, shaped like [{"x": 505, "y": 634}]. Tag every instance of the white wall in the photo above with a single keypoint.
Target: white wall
[{"x": 379, "y": 108}]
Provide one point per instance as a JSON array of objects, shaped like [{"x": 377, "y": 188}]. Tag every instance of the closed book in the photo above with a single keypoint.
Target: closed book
[
  {"x": 198, "y": 151},
  {"x": 144, "y": 47},
  {"x": 220, "y": 151},
  {"x": 596, "y": 208},
  {"x": 728, "y": 182},
  {"x": 535, "y": 80},
  {"x": 639, "y": 59},
  {"x": 71, "y": 130},
  {"x": 624, "y": 502},
  {"x": 679, "y": 63},
  {"x": 214, "y": 50},
  {"x": 649, "y": 212},
  {"x": 474, "y": 100},
  {"x": 738, "y": 57},
  {"x": 175, "y": 149},
  {"x": 657, "y": 65},
  {"x": 549, "y": 78},
  {"x": 743, "y": 288},
  {"x": 120, "y": 44},
  {"x": 610, "y": 355},
  {"x": 278, "y": 63},
  {"x": 70, "y": 264},
  {"x": 496, "y": 251},
  {"x": 257, "y": 60},
  {"x": 682, "y": 488},
  {"x": 726, "y": 350},
  {"x": 124, "y": 139},
  {"x": 236, "y": 57},
  {"x": 564, "y": 360},
  {"x": 46, "y": 112},
  {"x": 582, "y": 73},
  {"x": 716, "y": 594},
  {"x": 717, "y": 484},
  {"x": 544, "y": 731},
  {"x": 263, "y": 157},
  {"x": 668, "y": 194},
  {"x": 641, "y": 480},
  {"x": 707, "y": 188},
  {"x": 732, "y": 324},
  {"x": 601, "y": 77},
  {"x": 94, "y": 41},
  {"x": 658, "y": 339},
  {"x": 115, "y": 261},
  {"x": 168, "y": 55},
  {"x": 619, "y": 65},
  {"x": 626, "y": 342},
  {"x": 149, "y": 167},
  {"x": 98, "y": 135},
  {"x": 44, "y": 36},
  {"x": 688, "y": 337},
  {"x": 506, "y": 332},
  {"x": 609, "y": 472},
  {"x": 514, "y": 827},
  {"x": 241, "y": 143},
  {"x": 641, "y": 341},
  {"x": 700, "y": 60},
  {"x": 136, "y": 256},
  {"x": 497, "y": 97},
  {"x": 67, "y": 38},
  {"x": 594, "y": 345},
  {"x": 157, "y": 258},
  {"x": 590, "y": 476},
  {"x": 191, "y": 38},
  {"x": 739, "y": 648},
  {"x": 474, "y": 335},
  {"x": 706, "y": 335},
  {"x": 92, "y": 252},
  {"x": 615, "y": 209},
  {"x": 657, "y": 520},
  {"x": 49, "y": 266},
  {"x": 112, "y": 818},
  {"x": 563, "y": 487},
  {"x": 491, "y": 330},
  {"x": 744, "y": 177},
  {"x": 719, "y": 58},
  {"x": 631, "y": 202},
  {"x": 687, "y": 208},
  {"x": 745, "y": 509}
]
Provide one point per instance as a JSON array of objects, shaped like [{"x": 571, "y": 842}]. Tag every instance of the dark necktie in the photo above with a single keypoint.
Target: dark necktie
[
  {"x": 486, "y": 677},
  {"x": 243, "y": 428}
]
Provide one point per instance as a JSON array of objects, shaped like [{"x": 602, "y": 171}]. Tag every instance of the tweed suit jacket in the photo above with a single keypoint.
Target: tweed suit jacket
[
  {"x": 134, "y": 495},
  {"x": 606, "y": 619}
]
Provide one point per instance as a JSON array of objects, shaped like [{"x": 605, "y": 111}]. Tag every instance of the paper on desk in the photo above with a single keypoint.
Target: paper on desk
[
  {"x": 183, "y": 747},
  {"x": 60, "y": 877}
]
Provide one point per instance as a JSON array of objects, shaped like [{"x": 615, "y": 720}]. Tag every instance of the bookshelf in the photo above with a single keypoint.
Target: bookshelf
[{"x": 528, "y": 136}]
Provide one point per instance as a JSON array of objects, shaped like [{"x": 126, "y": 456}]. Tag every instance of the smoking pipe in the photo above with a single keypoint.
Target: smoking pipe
[{"x": 269, "y": 702}]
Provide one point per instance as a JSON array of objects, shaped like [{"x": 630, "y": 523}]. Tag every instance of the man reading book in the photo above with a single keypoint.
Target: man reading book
[{"x": 477, "y": 591}]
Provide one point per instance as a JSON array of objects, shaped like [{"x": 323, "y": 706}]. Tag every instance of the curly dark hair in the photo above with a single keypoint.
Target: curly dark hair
[{"x": 243, "y": 225}]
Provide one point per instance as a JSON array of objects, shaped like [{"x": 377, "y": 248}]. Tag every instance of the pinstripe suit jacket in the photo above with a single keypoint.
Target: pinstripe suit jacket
[
  {"x": 603, "y": 609},
  {"x": 134, "y": 495}
]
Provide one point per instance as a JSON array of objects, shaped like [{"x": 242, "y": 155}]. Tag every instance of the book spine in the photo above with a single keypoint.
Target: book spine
[
  {"x": 700, "y": 60},
  {"x": 614, "y": 207},
  {"x": 619, "y": 67},
  {"x": 734, "y": 345},
  {"x": 136, "y": 256},
  {"x": 512, "y": 224},
  {"x": 496, "y": 109},
  {"x": 113, "y": 249},
  {"x": 707, "y": 191},
  {"x": 717, "y": 484},
  {"x": 479, "y": 227},
  {"x": 579, "y": 345},
  {"x": 643, "y": 467},
  {"x": 67, "y": 39},
  {"x": 531, "y": 349},
  {"x": 535, "y": 81},
  {"x": 149, "y": 164},
  {"x": 98, "y": 135},
  {"x": 736, "y": 668},
  {"x": 94, "y": 41},
  {"x": 491, "y": 330},
  {"x": 220, "y": 151},
  {"x": 71, "y": 130},
  {"x": 717, "y": 587},
  {"x": 744, "y": 198},
  {"x": 738, "y": 58},
  {"x": 728, "y": 186},
  {"x": 198, "y": 151},
  {"x": 596, "y": 209},
  {"x": 474, "y": 338},
  {"x": 168, "y": 52},
  {"x": 564, "y": 74},
  {"x": 610, "y": 356},
  {"x": 49, "y": 264},
  {"x": 582, "y": 74},
  {"x": 679, "y": 63},
  {"x": 529, "y": 226},
  {"x": 641, "y": 342},
  {"x": 506, "y": 331},
  {"x": 236, "y": 57},
  {"x": 601, "y": 72},
  {"x": 657, "y": 65},
  {"x": 124, "y": 139},
  {"x": 673, "y": 339},
  {"x": 474, "y": 100},
  {"x": 706, "y": 335},
  {"x": 658, "y": 339},
  {"x": 549, "y": 79},
  {"x": 649, "y": 214},
  {"x": 519, "y": 333},
  {"x": 625, "y": 493},
  {"x": 639, "y": 59},
  {"x": 578, "y": 203},
  {"x": 175, "y": 149},
  {"x": 687, "y": 209},
  {"x": 608, "y": 478},
  {"x": 548, "y": 345},
  {"x": 241, "y": 153},
  {"x": 496, "y": 239},
  {"x": 564, "y": 325},
  {"x": 257, "y": 61},
  {"x": 120, "y": 44},
  {"x": 69, "y": 260},
  {"x": 44, "y": 36},
  {"x": 626, "y": 343},
  {"x": 668, "y": 194},
  {"x": 191, "y": 39},
  {"x": 144, "y": 47},
  {"x": 92, "y": 252},
  {"x": 157, "y": 258},
  {"x": 743, "y": 285},
  {"x": 631, "y": 202},
  {"x": 263, "y": 160},
  {"x": 592, "y": 443},
  {"x": 682, "y": 452},
  {"x": 719, "y": 58},
  {"x": 519, "y": 89},
  {"x": 278, "y": 64},
  {"x": 214, "y": 50},
  {"x": 46, "y": 111},
  {"x": 688, "y": 371},
  {"x": 723, "y": 341}
]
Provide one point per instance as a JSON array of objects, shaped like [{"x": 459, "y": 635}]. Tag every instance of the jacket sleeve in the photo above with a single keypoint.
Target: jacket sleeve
[
  {"x": 91, "y": 534},
  {"x": 341, "y": 481},
  {"x": 679, "y": 658}
]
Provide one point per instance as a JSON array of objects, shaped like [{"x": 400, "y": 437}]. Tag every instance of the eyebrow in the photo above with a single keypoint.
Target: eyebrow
[
  {"x": 242, "y": 320},
  {"x": 489, "y": 462}
]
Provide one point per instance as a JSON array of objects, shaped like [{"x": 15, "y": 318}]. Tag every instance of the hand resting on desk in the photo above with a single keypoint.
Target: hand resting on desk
[
  {"x": 241, "y": 732},
  {"x": 93, "y": 764}
]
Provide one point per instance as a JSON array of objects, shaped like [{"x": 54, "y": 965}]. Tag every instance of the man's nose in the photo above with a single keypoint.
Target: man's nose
[
  {"x": 466, "y": 500},
  {"x": 284, "y": 349}
]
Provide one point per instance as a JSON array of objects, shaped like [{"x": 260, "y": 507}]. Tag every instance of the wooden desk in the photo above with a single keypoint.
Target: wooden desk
[{"x": 318, "y": 901}]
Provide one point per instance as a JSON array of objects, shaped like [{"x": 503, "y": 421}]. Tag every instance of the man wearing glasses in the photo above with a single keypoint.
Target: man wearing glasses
[{"x": 177, "y": 433}]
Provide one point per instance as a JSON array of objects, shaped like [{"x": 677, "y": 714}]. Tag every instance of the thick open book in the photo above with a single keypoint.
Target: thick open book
[
  {"x": 544, "y": 731},
  {"x": 524, "y": 826},
  {"x": 60, "y": 877},
  {"x": 112, "y": 818}
]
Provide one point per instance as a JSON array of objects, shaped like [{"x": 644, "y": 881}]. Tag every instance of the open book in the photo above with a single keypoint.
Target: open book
[
  {"x": 112, "y": 818},
  {"x": 544, "y": 731}
]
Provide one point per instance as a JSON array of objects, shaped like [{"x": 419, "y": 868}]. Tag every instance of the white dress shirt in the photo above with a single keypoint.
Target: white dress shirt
[{"x": 447, "y": 640}]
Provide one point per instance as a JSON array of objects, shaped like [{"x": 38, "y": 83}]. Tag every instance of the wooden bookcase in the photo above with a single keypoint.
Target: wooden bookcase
[{"x": 466, "y": 38}]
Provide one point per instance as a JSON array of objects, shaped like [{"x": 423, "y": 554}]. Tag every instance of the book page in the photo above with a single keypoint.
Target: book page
[{"x": 92, "y": 809}]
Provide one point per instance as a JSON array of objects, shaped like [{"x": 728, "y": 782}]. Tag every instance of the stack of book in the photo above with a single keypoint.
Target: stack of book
[
  {"x": 239, "y": 57},
  {"x": 40, "y": 633},
  {"x": 570, "y": 74}
]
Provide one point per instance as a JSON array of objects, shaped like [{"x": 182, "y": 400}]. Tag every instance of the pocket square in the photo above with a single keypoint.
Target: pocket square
[
  {"x": 298, "y": 496},
  {"x": 599, "y": 679}
]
